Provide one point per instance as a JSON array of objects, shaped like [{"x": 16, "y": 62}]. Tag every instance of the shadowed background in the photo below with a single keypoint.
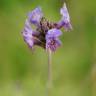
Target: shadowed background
[{"x": 24, "y": 73}]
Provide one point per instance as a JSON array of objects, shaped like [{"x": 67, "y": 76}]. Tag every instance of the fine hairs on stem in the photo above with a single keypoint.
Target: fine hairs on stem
[{"x": 49, "y": 84}]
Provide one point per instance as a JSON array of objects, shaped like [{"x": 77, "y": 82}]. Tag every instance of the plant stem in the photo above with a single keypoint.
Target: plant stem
[{"x": 49, "y": 72}]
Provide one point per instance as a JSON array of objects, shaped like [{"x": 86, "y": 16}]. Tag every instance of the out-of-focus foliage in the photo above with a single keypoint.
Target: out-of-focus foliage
[{"x": 24, "y": 73}]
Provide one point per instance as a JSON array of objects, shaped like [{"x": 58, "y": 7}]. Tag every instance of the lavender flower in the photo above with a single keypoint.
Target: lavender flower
[
  {"x": 52, "y": 41},
  {"x": 27, "y": 34},
  {"x": 35, "y": 16},
  {"x": 65, "y": 20},
  {"x": 46, "y": 34},
  {"x": 30, "y": 36}
]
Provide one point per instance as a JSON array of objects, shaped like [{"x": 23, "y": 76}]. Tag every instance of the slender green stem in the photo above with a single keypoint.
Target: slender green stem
[
  {"x": 49, "y": 69},
  {"x": 49, "y": 72}
]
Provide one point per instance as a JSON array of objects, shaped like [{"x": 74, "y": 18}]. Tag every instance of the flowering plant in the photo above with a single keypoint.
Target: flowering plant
[{"x": 46, "y": 34}]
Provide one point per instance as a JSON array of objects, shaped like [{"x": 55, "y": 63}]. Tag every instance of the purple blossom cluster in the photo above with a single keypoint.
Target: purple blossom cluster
[{"x": 46, "y": 34}]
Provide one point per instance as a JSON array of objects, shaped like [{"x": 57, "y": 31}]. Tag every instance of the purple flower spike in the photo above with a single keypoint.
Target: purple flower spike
[
  {"x": 27, "y": 34},
  {"x": 45, "y": 34},
  {"x": 35, "y": 16},
  {"x": 52, "y": 41},
  {"x": 65, "y": 20}
]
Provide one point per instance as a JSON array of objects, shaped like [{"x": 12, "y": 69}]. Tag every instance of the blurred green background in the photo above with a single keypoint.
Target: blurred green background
[{"x": 24, "y": 73}]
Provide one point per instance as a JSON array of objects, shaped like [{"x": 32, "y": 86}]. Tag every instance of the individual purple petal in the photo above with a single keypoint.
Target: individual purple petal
[
  {"x": 52, "y": 41},
  {"x": 53, "y": 33},
  {"x": 27, "y": 34},
  {"x": 65, "y": 20},
  {"x": 35, "y": 16},
  {"x": 65, "y": 14}
]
